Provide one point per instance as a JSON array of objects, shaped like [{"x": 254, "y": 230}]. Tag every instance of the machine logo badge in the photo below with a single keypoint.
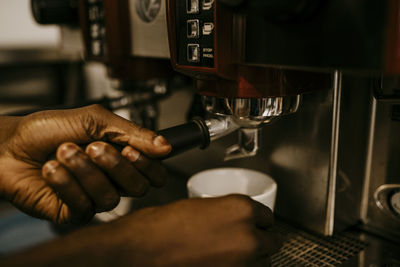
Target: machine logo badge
[{"x": 148, "y": 9}]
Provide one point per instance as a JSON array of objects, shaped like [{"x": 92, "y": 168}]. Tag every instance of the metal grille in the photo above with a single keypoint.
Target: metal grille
[{"x": 305, "y": 249}]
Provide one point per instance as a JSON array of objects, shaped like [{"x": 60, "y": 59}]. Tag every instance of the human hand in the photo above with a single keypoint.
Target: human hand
[
  {"x": 76, "y": 184},
  {"x": 232, "y": 231},
  {"x": 228, "y": 231}
]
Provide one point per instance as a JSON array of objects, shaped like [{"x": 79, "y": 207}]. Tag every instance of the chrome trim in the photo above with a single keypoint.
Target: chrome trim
[
  {"x": 252, "y": 112},
  {"x": 385, "y": 190},
  {"x": 220, "y": 126},
  {"x": 332, "y": 174},
  {"x": 368, "y": 165},
  {"x": 247, "y": 146}
]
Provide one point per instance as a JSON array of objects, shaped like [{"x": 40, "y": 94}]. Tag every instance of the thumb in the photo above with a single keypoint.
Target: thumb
[{"x": 102, "y": 124}]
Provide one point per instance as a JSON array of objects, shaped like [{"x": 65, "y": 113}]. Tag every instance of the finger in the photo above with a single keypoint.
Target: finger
[
  {"x": 151, "y": 168},
  {"x": 103, "y": 194},
  {"x": 264, "y": 218},
  {"x": 78, "y": 203},
  {"x": 105, "y": 124},
  {"x": 118, "y": 168}
]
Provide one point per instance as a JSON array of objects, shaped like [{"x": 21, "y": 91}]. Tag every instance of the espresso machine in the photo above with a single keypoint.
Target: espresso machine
[
  {"x": 310, "y": 86},
  {"x": 319, "y": 78}
]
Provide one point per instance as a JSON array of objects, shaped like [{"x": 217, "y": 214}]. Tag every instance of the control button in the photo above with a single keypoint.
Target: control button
[
  {"x": 207, "y": 4},
  {"x": 208, "y": 27},
  {"x": 95, "y": 30},
  {"x": 193, "y": 52},
  {"x": 192, "y": 6},
  {"x": 193, "y": 29},
  {"x": 96, "y": 48},
  {"x": 94, "y": 13}
]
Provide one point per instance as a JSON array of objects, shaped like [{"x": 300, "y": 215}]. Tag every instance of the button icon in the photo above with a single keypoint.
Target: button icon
[
  {"x": 192, "y": 6},
  {"x": 207, "y": 4},
  {"x": 94, "y": 13},
  {"x": 96, "y": 48},
  {"x": 208, "y": 27},
  {"x": 95, "y": 30},
  {"x": 193, "y": 29},
  {"x": 193, "y": 53}
]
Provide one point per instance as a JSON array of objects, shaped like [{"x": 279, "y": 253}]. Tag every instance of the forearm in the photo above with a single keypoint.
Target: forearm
[{"x": 86, "y": 247}]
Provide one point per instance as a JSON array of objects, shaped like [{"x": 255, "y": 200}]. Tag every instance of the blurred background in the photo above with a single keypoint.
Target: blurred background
[
  {"x": 34, "y": 73},
  {"x": 40, "y": 67}
]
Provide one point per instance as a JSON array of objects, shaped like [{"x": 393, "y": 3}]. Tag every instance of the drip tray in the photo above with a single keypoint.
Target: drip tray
[{"x": 305, "y": 249}]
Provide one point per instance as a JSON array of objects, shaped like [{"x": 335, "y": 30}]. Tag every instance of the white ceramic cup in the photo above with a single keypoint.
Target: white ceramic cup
[{"x": 224, "y": 181}]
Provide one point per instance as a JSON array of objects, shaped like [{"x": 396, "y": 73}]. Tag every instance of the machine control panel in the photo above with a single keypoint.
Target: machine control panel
[
  {"x": 193, "y": 29},
  {"x": 96, "y": 28},
  {"x": 195, "y": 32}
]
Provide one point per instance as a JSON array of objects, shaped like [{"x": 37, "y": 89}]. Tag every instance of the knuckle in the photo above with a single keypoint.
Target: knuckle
[
  {"x": 92, "y": 126},
  {"x": 244, "y": 204},
  {"x": 96, "y": 108},
  {"x": 94, "y": 120},
  {"x": 240, "y": 198},
  {"x": 146, "y": 132}
]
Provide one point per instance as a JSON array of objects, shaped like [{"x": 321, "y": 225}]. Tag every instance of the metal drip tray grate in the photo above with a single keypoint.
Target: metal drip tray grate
[{"x": 305, "y": 249}]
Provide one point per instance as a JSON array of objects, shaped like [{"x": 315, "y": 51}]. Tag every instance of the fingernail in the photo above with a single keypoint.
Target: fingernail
[
  {"x": 50, "y": 167},
  {"x": 160, "y": 141},
  {"x": 68, "y": 151},
  {"x": 133, "y": 155},
  {"x": 95, "y": 151}
]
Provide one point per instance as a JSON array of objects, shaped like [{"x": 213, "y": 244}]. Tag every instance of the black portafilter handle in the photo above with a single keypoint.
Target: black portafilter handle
[
  {"x": 186, "y": 136},
  {"x": 181, "y": 138}
]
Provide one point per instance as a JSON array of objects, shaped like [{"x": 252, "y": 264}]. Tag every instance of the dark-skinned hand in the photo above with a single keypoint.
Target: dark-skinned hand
[
  {"x": 231, "y": 231},
  {"x": 77, "y": 183}
]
